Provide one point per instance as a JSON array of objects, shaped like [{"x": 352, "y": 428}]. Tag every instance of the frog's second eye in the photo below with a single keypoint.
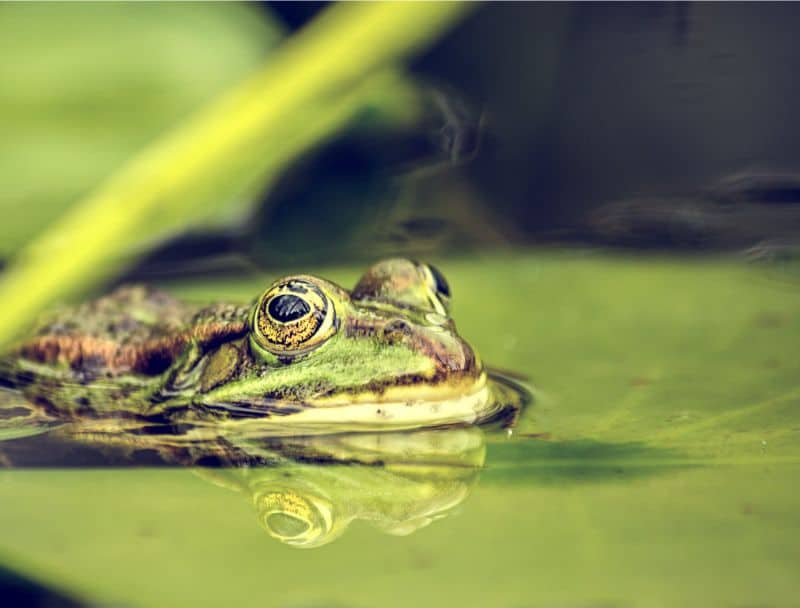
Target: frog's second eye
[
  {"x": 293, "y": 317},
  {"x": 437, "y": 285},
  {"x": 406, "y": 283},
  {"x": 438, "y": 282}
]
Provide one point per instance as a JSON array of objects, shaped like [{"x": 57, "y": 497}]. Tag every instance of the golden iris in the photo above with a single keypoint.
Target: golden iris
[{"x": 293, "y": 316}]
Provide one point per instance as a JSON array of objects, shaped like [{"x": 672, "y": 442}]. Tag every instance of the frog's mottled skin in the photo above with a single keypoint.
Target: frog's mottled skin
[
  {"x": 306, "y": 356},
  {"x": 135, "y": 330}
]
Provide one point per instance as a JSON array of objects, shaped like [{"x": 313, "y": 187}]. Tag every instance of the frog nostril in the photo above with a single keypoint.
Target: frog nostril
[{"x": 395, "y": 331}]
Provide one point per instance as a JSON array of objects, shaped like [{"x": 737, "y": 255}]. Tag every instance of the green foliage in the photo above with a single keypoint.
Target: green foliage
[{"x": 87, "y": 85}]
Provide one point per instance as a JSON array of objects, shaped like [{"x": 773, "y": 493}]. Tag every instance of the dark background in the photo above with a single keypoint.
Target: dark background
[
  {"x": 668, "y": 125},
  {"x": 591, "y": 102}
]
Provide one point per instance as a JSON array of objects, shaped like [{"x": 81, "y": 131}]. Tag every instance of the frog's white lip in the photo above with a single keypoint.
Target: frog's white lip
[{"x": 398, "y": 408}]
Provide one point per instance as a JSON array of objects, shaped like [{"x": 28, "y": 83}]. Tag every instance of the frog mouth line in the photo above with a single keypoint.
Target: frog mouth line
[{"x": 403, "y": 410}]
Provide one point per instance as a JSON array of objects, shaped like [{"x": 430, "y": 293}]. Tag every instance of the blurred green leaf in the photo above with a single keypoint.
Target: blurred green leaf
[{"x": 86, "y": 85}]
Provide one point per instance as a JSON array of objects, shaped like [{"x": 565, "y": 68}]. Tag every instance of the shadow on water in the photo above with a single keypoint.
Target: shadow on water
[{"x": 534, "y": 461}]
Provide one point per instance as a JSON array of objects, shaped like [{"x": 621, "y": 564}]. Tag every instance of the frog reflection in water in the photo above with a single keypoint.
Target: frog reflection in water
[
  {"x": 305, "y": 491},
  {"x": 307, "y": 357},
  {"x": 397, "y": 482},
  {"x": 285, "y": 396}
]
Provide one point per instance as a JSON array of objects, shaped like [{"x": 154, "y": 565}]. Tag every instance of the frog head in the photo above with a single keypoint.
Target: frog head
[{"x": 386, "y": 354}]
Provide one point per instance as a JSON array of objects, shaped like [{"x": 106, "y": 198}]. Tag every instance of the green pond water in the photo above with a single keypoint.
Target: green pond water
[{"x": 657, "y": 466}]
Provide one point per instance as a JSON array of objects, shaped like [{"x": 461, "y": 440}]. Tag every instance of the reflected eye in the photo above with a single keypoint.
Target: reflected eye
[
  {"x": 293, "y": 317},
  {"x": 295, "y": 519}
]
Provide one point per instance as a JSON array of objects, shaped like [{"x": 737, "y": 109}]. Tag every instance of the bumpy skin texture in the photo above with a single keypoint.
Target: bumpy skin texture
[
  {"x": 133, "y": 330},
  {"x": 140, "y": 352}
]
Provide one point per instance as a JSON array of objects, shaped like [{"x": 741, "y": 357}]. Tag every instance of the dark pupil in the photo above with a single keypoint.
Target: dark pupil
[
  {"x": 441, "y": 284},
  {"x": 287, "y": 308}
]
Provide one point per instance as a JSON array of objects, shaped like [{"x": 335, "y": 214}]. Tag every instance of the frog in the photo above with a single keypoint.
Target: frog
[{"x": 305, "y": 357}]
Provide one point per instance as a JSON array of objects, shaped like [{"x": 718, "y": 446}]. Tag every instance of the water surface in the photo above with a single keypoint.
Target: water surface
[{"x": 656, "y": 467}]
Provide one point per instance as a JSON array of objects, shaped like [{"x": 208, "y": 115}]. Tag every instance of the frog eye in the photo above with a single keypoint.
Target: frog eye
[
  {"x": 406, "y": 283},
  {"x": 437, "y": 284},
  {"x": 292, "y": 317},
  {"x": 437, "y": 281}
]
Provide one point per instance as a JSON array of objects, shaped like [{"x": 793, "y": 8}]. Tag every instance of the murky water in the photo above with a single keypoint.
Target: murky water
[{"x": 655, "y": 468}]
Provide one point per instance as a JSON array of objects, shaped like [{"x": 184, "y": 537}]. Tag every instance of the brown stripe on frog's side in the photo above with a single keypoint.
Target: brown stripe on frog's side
[
  {"x": 219, "y": 323},
  {"x": 148, "y": 355},
  {"x": 83, "y": 352}
]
